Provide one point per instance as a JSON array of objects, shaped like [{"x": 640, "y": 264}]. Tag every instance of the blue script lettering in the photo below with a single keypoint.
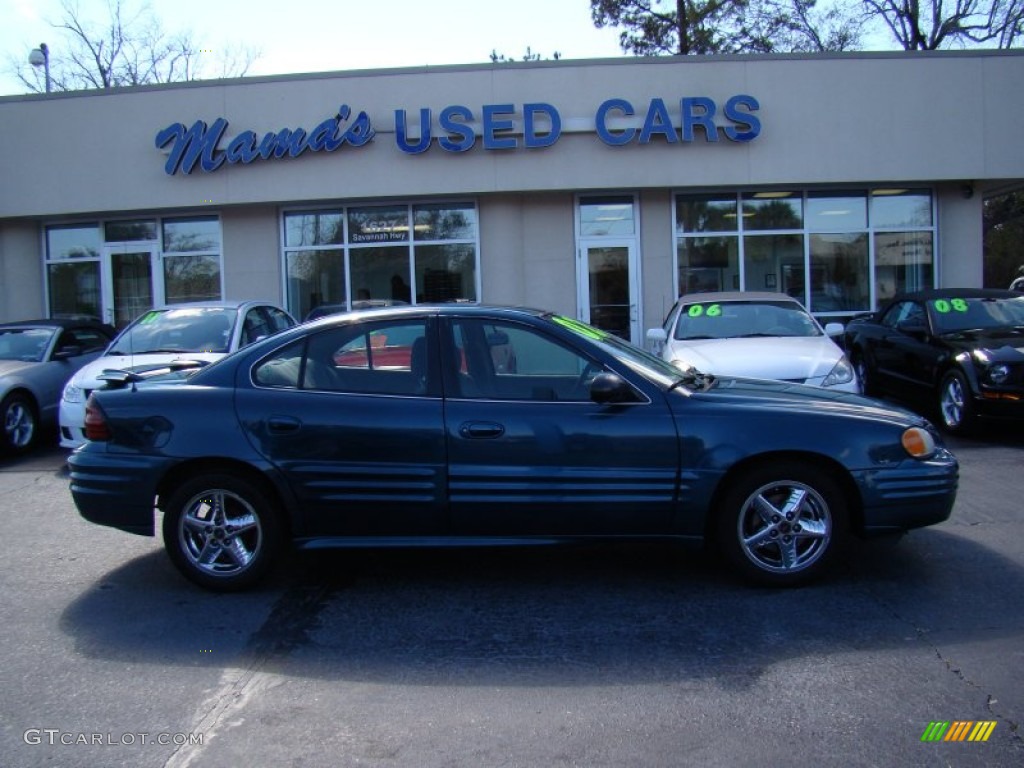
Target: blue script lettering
[{"x": 199, "y": 143}]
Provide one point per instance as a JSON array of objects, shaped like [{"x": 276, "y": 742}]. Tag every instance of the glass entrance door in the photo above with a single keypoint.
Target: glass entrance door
[
  {"x": 609, "y": 288},
  {"x": 128, "y": 283}
]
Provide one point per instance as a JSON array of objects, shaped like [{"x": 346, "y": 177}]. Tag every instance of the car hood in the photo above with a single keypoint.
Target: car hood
[
  {"x": 10, "y": 367},
  {"x": 769, "y": 395},
  {"x": 786, "y": 358},
  {"x": 87, "y": 377},
  {"x": 996, "y": 346}
]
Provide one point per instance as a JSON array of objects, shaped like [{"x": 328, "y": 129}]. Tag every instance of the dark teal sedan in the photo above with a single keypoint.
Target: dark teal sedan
[{"x": 462, "y": 425}]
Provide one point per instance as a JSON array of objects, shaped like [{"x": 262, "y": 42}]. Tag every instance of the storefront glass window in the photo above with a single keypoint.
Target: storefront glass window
[
  {"x": 74, "y": 288},
  {"x": 899, "y": 208},
  {"x": 80, "y": 241},
  {"x": 839, "y": 273},
  {"x": 706, "y": 213},
  {"x": 773, "y": 210},
  {"x": 380, "y": 273},
  {"x": 607, "y": 216},
  {"x": 379, "y": 224},
  {"x": 315, "y": 228},
  {"x": 191, "y": 277},
  {"x": 774, "y": 263},
  {"x": 446, "y": 273},
  {"x": 708, "y": 264},
  {"x": 903, "y": 262},
  {"x": 375, "y": 258},
  {"x": 191, "y": 235},
  {"x": 129, "y": 231},
  {"x": 837, "y": 211},
  {"x": 444, "y": 221},
  {"x": 849, "y": 249},
  {"x": 314, "y": 278}
]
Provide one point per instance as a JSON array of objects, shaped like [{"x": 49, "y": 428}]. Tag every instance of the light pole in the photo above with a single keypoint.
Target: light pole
[{"x": 40, "y": 57}]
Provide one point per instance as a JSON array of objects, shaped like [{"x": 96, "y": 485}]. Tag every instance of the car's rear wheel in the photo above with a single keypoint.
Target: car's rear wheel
[
  {"x": 221, "y": 531},
  {"x": 20, "y": 423},
  {"x": 782, "y": 523},
  {"x": 955, "y": 404}
]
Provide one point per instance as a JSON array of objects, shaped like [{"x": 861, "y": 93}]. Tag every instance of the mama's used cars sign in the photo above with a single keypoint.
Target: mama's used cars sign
[{"x": 616, "y": 122}]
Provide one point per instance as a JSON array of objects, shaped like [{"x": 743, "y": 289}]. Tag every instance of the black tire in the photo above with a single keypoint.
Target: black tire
[
  {"x": 865, "y": 380},
  {"x": 20, "y": 422},
  {"x": 222, "y": 531},
  {"x": 956, "y": 411},
  {"x": 781, "y": 524}
]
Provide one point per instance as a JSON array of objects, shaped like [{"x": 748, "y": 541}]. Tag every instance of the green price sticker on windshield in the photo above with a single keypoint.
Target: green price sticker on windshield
[
  {"x": 943, "y": 306},
  {"x": 711, "y": 310}
]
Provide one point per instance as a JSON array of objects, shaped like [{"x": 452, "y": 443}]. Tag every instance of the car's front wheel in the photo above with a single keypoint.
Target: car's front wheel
[
  {"x": 20, "y": 423},
  {"x": 221, "y": 531},
  {"x": 782, "y": 523},
  {"x": 955, "y": 404}
]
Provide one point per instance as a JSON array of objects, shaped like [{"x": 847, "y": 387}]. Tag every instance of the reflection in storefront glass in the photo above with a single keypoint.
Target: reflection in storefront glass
[
  {"x": 773, "y": 210},
  {"x": 445, "y": 273},
  {"x": 74, "y": 288},
  {"x": 315, "y": 228},
  {"x": 191, "y": 277},
  {"x": 444, "y": 221},
  {"x": 892, "y": 208},
  {"x": 380, "y": 273},
  {"x": 80, "y": 241},
  {"x": 314, "y": 278},
  {"x": 191, "y": 235},
  {"x": 839, "y": 273},
  {"x": 706, "y": 213},
  {"x": 903, "y": 262},
  {"x": 607, "y": 216},
  {"x": 708, "y": 264},
  {"x": 775, "y": 263}
]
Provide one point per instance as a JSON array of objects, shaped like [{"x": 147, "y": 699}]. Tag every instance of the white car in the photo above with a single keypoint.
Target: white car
[
  {"x": 204, "y": 332},
  {"x": 753, "y": 335}
]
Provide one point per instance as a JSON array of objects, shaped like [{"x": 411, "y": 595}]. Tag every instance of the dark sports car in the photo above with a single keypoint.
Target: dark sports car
[
  {"x": 957, "y": 352},
  {"x": 413, "y": 427}
]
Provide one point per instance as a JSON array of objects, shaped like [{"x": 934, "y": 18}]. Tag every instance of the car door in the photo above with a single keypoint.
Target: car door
[
  {"x": 905, "y": 354},
  {"x": 530, "y": 454},
  {"x": 352, "y": 417}
]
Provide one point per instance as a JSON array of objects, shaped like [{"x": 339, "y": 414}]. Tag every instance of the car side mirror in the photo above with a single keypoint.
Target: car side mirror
[
  {"x": 69, "y": 351},
  {"x": 656, "y": 338},
  {"x": 611, "y": 388},
  {"x": 834, "y": 329}
]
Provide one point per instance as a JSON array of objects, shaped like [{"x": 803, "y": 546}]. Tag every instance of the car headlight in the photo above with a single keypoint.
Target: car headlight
[
  {"x": 918, "y": 442},
  {"x": 998, "y": 373},
  {"x": 72, "y": 394},
  {"x": 841, "y": 373}
]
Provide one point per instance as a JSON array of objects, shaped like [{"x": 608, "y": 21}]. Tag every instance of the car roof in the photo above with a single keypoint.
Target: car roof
[
  {"x": 724, "y": 296},
  {"x": 220, "y": 304},
  {"x": 56, "y": 322},
  {"x": 956, "y": 293},
  {"x": 448, "y": 308}
]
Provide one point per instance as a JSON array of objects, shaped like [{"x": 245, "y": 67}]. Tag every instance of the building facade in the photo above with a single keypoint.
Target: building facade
[{"x": 601, "y": 189}]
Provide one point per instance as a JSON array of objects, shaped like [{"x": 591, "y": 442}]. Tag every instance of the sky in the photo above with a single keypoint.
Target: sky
[{"x": 324, "y": 35}]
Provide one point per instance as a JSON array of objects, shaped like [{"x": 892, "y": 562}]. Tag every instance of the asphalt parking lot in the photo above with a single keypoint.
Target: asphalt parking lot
[{"x": 639, "y": 656}]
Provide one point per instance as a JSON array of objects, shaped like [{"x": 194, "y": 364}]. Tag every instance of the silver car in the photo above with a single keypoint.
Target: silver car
[{"x": 37, "y": 357}]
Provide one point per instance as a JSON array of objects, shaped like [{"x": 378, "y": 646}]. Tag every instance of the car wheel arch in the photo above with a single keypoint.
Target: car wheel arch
[
  {"x": 837, "y": 472},
  {"x": 224, "y": 466}
]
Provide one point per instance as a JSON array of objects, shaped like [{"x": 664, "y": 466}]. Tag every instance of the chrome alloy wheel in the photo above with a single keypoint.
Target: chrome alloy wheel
[
  {"x": 953, "y": 402},
  {"x": 784, "y": 527},
  {"x": 19, "y": 423},
  {"x": 220, "y": 533}
]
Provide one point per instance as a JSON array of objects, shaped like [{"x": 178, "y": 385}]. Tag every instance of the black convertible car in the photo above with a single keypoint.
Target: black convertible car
[
  {"x": 957, "y": 351},
  {"x": 461, "y": 425}
]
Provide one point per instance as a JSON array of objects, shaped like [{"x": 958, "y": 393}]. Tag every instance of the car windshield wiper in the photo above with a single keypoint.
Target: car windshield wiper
[{"x": 694, "y": 379}]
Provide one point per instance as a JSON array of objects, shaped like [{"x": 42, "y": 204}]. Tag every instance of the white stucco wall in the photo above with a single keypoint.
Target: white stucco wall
[{"x": 22, "y": 295}]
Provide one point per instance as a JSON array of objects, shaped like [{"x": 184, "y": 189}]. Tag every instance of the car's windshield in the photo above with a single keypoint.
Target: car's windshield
[
  {"x": 639, "y": 360},
  {"x": 28, "y": 345},
  {"x": 738, "y": 319},
  {"x": 184, "y": 329},
  {"x": 958, "y": 314}
]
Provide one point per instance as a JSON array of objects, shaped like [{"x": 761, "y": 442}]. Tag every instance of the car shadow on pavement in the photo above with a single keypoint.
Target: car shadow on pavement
[{"x": 581, "y": 616}]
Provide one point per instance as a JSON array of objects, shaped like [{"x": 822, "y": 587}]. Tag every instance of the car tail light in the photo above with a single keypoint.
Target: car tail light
[{"x": 96, "y": 427}]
